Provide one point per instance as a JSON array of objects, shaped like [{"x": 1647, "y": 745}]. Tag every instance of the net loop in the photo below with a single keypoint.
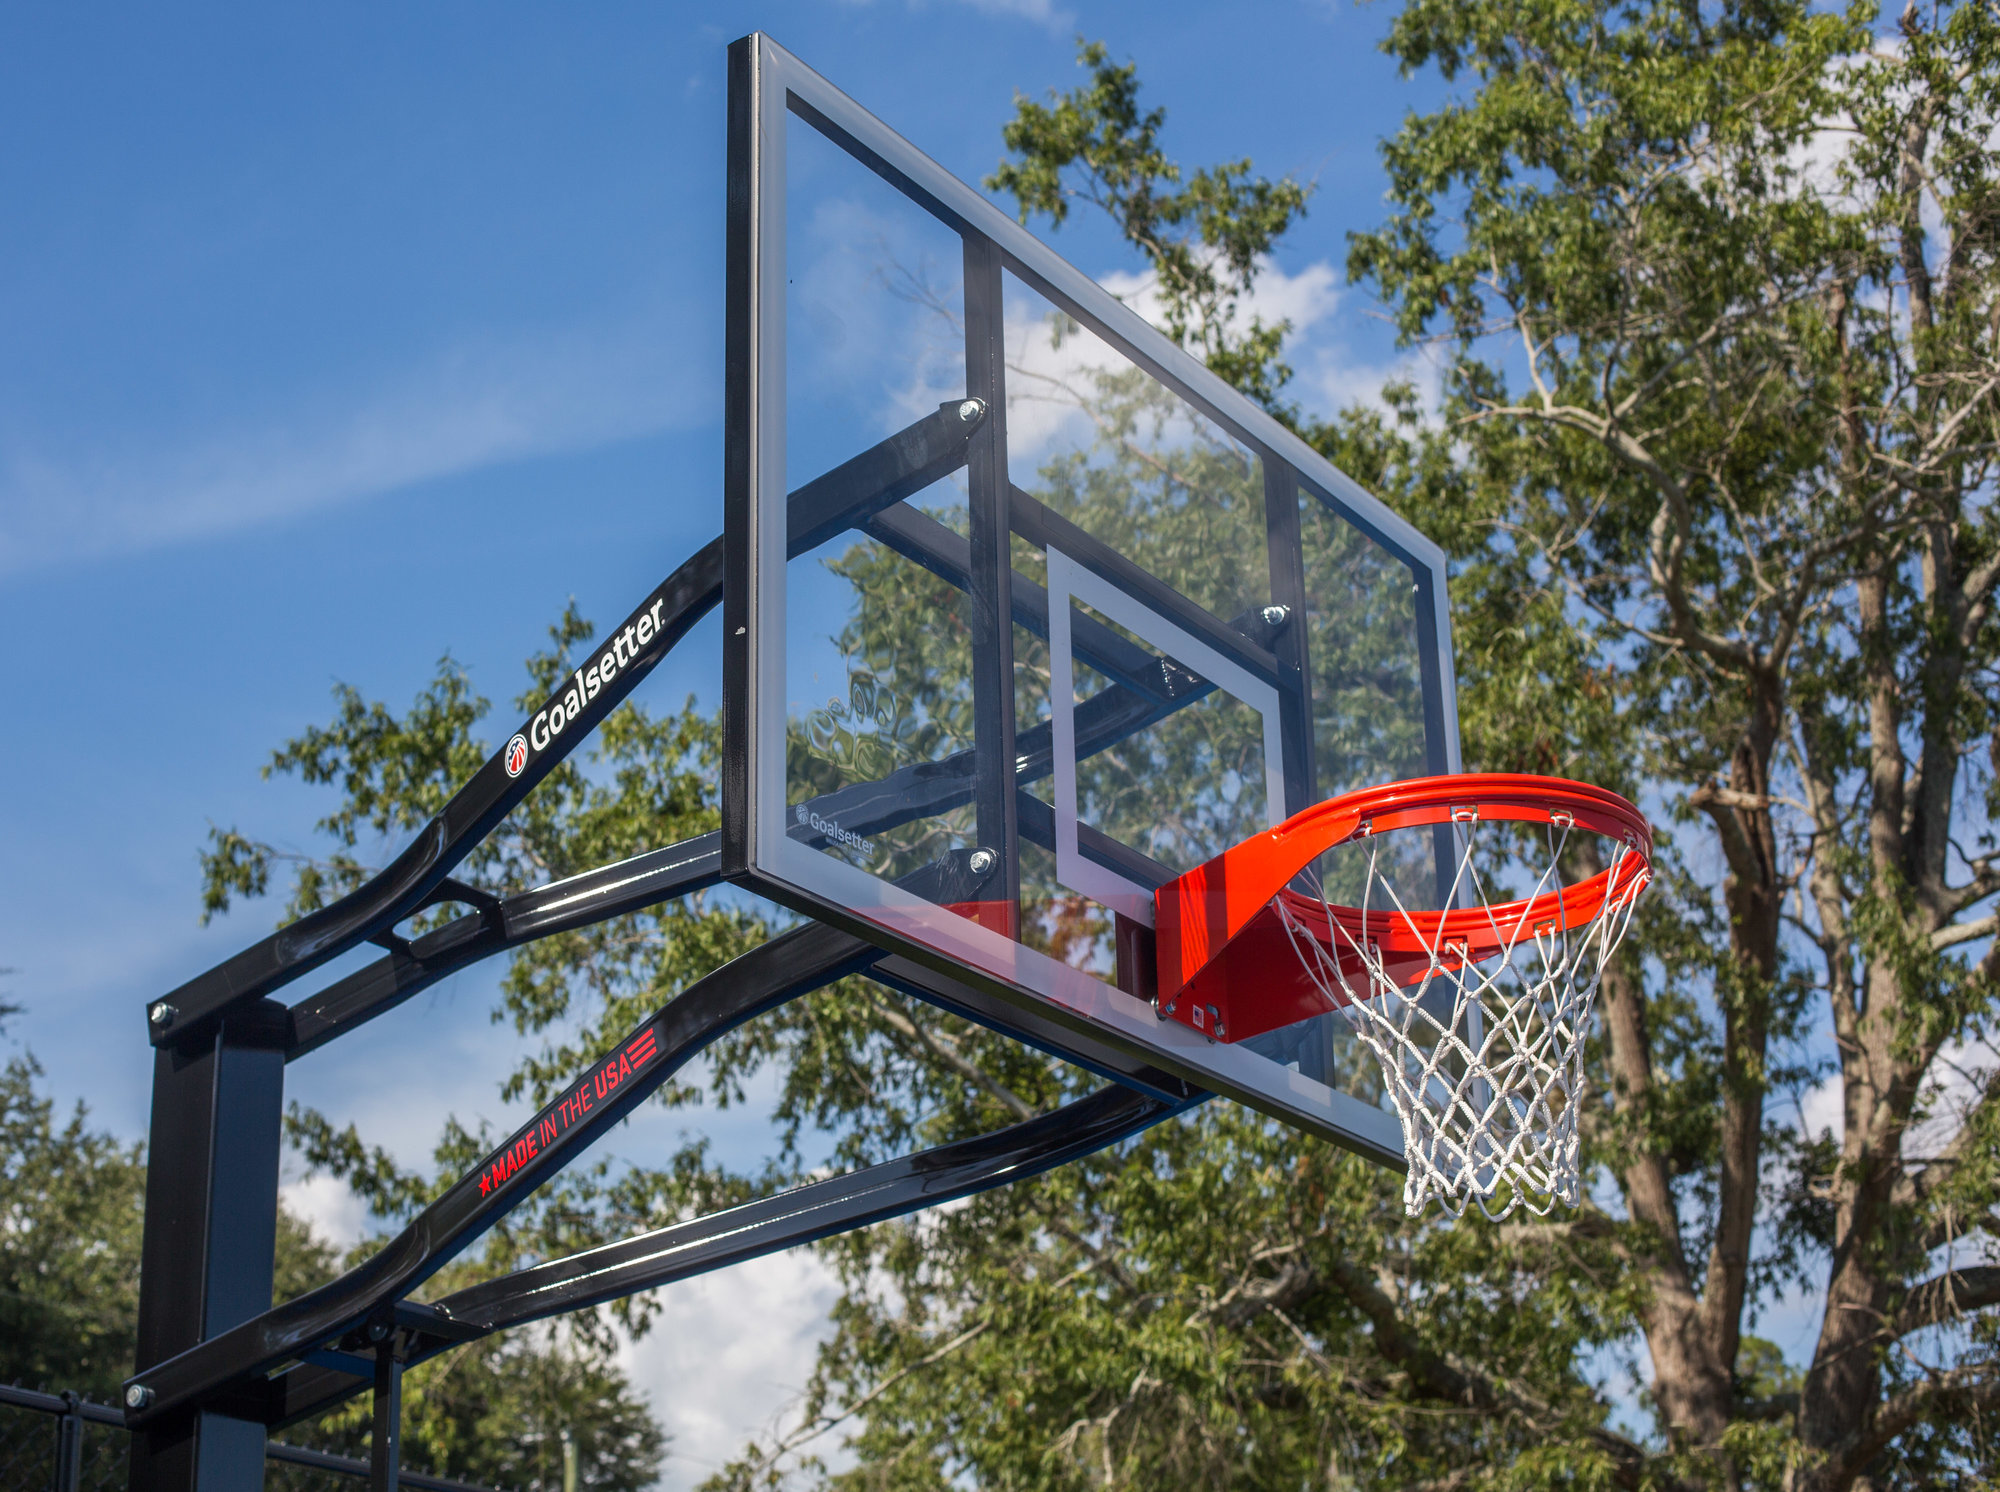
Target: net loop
[{"x": 1477, "y": 1015}]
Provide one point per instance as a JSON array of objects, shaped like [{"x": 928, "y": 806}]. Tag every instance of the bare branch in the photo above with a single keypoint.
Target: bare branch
[
  {"x": 1945, "y": 1298},
  {"x": 1965, "y": 932}
]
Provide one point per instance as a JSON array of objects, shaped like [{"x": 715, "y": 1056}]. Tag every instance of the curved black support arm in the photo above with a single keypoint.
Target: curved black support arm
[
  {"x": 783, "y": 969},
  {"x": 851, "y": 493},
  {"x": 594, "y": 896},
  {"x": 473, "y": 812},
  {"x": 808, "y": 1213},
  {"x": 765, "y": 1226}
]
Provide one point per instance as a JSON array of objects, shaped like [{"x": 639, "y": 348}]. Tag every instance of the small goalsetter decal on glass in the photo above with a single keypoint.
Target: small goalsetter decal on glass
[{"x": 549, "y": 1126}]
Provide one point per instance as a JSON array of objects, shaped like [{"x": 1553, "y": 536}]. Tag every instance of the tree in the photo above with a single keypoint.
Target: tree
[
  {"x": 70, "y": 1205},
  {"x": 1720, "y": 306}
]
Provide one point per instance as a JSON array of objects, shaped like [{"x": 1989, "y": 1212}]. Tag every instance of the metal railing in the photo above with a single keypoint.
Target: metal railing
[{"x": 66, "y": 1443}]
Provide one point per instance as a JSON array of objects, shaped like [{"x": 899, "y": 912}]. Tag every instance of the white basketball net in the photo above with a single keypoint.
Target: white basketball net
[{"x": 1483, "y": 1062}]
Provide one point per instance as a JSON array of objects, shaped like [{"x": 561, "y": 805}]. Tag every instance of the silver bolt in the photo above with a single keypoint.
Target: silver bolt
[
  {"x": 377, "y": 1331},
  {"x": 138, "y": 1396},
  {"x": 162, "y": 1014},
  {"x": 1274, "y": 616},
  {"x": 971, "y": 409},
  {"x": 981, "y": 861}
]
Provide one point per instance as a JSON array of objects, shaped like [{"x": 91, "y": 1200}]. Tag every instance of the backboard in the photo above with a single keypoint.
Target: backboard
[{"x": 1025, "y": 610}]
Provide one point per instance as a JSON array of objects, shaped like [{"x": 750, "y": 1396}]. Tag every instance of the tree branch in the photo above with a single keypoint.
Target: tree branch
[
  {"x": 1958, "y": 1389},
  {"x": 1445, "y": 1378},
  {"x": 1946, "y": 1297}
]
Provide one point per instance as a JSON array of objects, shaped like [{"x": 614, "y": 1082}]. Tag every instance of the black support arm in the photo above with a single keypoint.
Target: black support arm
[
  {"x": 226, "y": 1367},
  {"x": 737, "y": 1234}
]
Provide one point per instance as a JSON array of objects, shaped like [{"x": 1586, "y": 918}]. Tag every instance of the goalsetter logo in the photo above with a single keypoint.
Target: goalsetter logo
[{"x": 588, "y": 682}]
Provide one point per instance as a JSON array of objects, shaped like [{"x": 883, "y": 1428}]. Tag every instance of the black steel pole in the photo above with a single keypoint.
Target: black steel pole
[
  {"x": 385, "y": 1456},
  {"x": 69, "y": 1446},
  {"x": 211, "y": 1233}
]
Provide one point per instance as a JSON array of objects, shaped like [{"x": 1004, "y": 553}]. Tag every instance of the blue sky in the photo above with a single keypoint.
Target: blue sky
[{"x": 335, "y": 340}]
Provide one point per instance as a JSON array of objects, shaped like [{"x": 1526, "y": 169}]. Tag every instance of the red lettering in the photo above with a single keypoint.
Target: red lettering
[
  {"x": 529, "y": 1144},
  {"x": 549, "y": 1130},
  {"x": 624, "y": 1068},
  {"x": 583, "y": 1098},
  {"x": 642, "y": 1048}
]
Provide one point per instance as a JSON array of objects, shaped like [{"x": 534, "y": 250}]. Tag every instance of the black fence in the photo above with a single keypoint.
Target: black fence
[{"x": 62, "y": 1443}]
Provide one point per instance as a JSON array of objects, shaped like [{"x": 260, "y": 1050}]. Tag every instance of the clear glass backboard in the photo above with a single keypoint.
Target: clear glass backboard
[{"x": 1026, "y": 611}]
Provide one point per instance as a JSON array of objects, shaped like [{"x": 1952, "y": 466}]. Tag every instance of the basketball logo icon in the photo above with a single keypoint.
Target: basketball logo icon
[{"x": 517, "y": 755}]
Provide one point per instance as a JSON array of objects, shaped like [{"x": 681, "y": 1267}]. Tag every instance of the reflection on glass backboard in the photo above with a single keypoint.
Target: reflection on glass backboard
[{"x": 1031, "y": 612}]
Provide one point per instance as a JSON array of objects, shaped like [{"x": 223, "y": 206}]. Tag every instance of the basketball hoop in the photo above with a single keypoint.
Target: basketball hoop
[{"x": 1476, "y": 1013}]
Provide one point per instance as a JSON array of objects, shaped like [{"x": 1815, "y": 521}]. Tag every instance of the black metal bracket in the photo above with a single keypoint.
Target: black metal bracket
[
  {"x": 228, "y": 1366},
  {"x": 358, "y": 1312},
  {"x": 733, "y": 1236}
]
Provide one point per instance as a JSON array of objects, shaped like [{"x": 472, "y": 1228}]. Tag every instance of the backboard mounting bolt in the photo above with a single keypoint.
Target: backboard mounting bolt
[
  {"x": 162, "y": 1014},
  {"x": 138, "y": 1396},
  {"x": 971, "y": 409},
  {"x": 377, "y": 1331},
  {"x": 981, "y": 862},
  {"x": 1276, "y": 616}
]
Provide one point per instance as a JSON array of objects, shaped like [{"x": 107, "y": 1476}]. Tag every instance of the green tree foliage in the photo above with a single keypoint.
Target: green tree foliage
[
  {"x": 70, "y": 1203},
  {"x": 1203, "y": 235},
  {"x": 494, "y": 1413}
]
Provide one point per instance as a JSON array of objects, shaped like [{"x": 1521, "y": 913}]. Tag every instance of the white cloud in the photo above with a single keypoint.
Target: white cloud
[
  {"x": 1954, "y": 1085},
  {"x": 1046, "y": 373},
  {"x": 466, "y": 407},
  {"x": 326, "y": 1205},
  {"x": 728, "y": 1356},
  {"x": 1821, "y": 1111}
]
